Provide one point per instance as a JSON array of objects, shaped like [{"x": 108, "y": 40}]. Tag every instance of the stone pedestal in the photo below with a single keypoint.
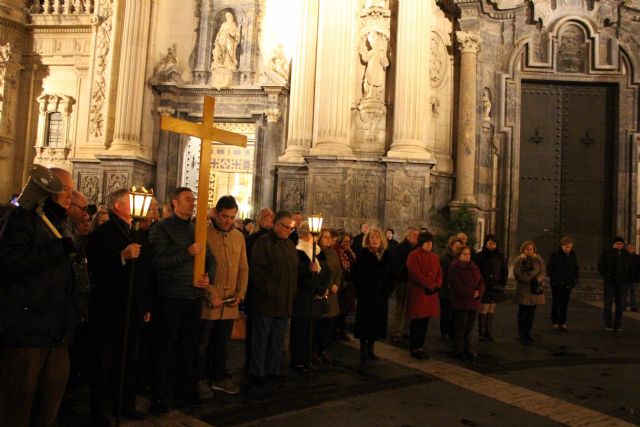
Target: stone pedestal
[
  {"x": 411, "y": 95},
  {"x": 469, "y": 44},
  {"x": 332, "y": 127},
  {"x": 126, "y": 134},
  {"x": 303, "y": 73}
]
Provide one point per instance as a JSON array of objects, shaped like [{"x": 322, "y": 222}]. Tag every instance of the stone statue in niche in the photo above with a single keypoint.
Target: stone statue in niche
[
  {"x": 226, "y": 44},
  {"x": 277, "y": 69},
  {"x": 168, "y": 68},
  {"x": 293, "y": 198},
  {"x": 373, "y": 51},
  {"x": 486, "y": 105},
  {"x": 571, "y": 53}
]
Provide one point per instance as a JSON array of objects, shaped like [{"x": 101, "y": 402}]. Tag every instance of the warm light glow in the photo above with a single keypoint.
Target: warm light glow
[
  {"x": 139, "y": 201},
  {"x": 315, "y": 223},
  {"x": 279, "y": 27}
]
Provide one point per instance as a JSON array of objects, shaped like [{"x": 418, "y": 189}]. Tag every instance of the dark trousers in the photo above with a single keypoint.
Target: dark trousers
[
  {"x": 267, "y": 343},
  {"x": 324, "y": 332},
  {"x": 614, "y": 294},
  {"x": 106, "y": 362},
  {"x": 445, "y": 317},
  {"x": 462, "y": 322},
  {"x": 526, "y": 314},
  {"x": 177, "y": 328},
  {"x": 559, "y": 304},
  {"x": 212, "y": 350},
  {"x": 32, "y": 383},
  {"x": 79, "y": 353},
  {"x": 417, "y": 333}
]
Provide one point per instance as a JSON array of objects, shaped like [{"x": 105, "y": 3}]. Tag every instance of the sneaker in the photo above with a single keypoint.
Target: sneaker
[
  {"x": 203, "y": 389},
  {"x": 608, "y": 328},
  {"x": 225, "y": 386},
  {"x": 564, "y": 328},
  {"x": 556, "y": 326}
]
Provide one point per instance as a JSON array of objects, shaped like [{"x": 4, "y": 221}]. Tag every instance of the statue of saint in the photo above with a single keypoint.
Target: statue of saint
[
  {"x": 226, "y": 43},
  {"x": 486, "y": 105},
  {"x": 377, "y": 63}
]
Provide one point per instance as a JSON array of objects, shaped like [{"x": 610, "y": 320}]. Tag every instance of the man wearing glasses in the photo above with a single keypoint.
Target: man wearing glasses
[{"x": 274, "y": 272}]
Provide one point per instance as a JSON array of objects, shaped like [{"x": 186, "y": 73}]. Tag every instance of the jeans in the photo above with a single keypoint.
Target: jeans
[
  {"x": 267, "y": 343},
  {"x": 559, "y": 304},
  {"x": 613, "y": 294},
  {"x": 212, "y": 350},
  {"x": 632, "y": 301}
]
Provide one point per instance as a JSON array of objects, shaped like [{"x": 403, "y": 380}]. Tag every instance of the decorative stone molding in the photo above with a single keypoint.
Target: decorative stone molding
[
  {"x": 8, "y": 86},
  {"x": 438, "y": 62},
  {"x": 277, "y": 68},
  {"x": 53, "y": 143},
  {"x": 273, "y": 115},
  {"x": 89, "y": 185},
  {"x": 99, "y": 88},
  {"x": 165, "y": 110},
  {"x": 168, "y": 68},
  {"x": 468, "y": 41}
]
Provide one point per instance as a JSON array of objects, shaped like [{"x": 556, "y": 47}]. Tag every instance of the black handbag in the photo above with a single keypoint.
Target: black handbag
[{"x": 536, "y": 286}]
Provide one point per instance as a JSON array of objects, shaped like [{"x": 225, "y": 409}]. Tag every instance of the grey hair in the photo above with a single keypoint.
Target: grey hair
[{"x": 116, "y": 196}]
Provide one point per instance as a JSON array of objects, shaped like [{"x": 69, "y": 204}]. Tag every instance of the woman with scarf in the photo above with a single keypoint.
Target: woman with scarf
[
  {"x": 495, "y": 271},
  {"x": 346, "y": 295},
  {"x": 529, "y": 273},
  {"x": 313, "y": 288},
  {"x": 373, "y": 280}
]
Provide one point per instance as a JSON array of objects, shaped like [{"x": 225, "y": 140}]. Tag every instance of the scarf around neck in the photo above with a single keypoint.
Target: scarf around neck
[{"x": 307, "y": 248}]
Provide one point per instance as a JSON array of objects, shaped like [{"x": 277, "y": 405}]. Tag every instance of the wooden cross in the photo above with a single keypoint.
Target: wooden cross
[{"x": 207, "y": 133}]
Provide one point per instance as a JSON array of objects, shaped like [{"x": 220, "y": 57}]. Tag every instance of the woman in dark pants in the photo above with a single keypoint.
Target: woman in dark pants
[
  {"x": 445, "y": 293},
  {"x": 528, "y": 271},
  {"x": 562, "y": 270},
  {"x": 495, "y": 271},
  {"x": 467, "y": 288},
  {"x": 425, "y": 279},
  {"x": 373, "y": 280}
]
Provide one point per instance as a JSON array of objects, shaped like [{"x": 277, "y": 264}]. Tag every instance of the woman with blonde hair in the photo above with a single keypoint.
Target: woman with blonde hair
[
  {"x": 373, "y": 281},
  {"x": 529, "y": 273}
]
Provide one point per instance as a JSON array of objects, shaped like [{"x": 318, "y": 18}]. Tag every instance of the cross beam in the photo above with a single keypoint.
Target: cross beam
[{"x": 207, "y": 133}]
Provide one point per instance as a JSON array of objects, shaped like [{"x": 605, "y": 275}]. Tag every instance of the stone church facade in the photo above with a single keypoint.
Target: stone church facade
[{"x": 392, "y": 112}]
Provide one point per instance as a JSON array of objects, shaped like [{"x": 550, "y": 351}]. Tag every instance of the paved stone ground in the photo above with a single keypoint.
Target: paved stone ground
[{"x": 585, "y": 377}]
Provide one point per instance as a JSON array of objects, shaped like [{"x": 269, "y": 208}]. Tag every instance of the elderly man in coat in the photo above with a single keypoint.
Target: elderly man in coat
[{"x": 229, "y": 285}]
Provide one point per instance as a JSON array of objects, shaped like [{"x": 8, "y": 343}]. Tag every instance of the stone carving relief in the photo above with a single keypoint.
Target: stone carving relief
[
  {"x": 406, "y": 198},
  {"x": 571, "y": 52},
  {"x": 99, "y": 89},
  {"x": 438, "y": 62},
  {"x": 366, "y": 197},
  {"x": 90, "y": 187},
  {"x": 277, "y": 68},
  {"x": 327, "y": 194},
  {"x": 168, "y": 69},
  {"x": 486, "y": 105},
  {"x": 115, "y": 181},
  {"x": 224, "y": 55},
  {"x": 53, "y": 143},
  {"x": 8, "y": 86},
  {"x": 293, "y": 195},
  {"x": 373, "y": 50}
]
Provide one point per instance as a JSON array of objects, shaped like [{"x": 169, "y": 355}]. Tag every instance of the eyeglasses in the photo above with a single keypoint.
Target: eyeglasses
[
  {"x": 289, "y": 228},
  {"x": 82, "y": 208}
]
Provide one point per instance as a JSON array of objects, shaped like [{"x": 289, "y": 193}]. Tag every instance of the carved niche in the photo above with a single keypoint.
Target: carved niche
[
  {"x": 89, "y": 185},
  {"x": 8, "y": 86},
  {"x": 52, "y": 141},
  {"x": 292, "y": 195},
  {"x": 571, "y": 51}
]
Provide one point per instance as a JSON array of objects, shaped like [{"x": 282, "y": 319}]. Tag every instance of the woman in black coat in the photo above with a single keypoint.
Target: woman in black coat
[
  {"x": 495, "y": 271},
  {"x": 372, "y": 276},
  {"x": 562, "y": 270}
]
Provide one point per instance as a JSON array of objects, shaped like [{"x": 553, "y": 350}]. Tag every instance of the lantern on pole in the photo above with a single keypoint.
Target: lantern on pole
[{"x": 139, "y": 201}]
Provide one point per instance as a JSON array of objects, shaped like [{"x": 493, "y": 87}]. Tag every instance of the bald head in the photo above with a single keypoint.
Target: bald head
[
  {"x": 64, "y": 197},
  {"x": 265, "y": 218},
  {"x": 77, "y": 212}
]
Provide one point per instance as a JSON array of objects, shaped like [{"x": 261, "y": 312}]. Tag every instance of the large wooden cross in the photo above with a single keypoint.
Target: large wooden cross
[{"x": 207, "y": 133}]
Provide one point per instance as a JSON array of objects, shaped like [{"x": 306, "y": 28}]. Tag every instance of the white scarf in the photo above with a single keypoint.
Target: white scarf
[{"x": 307, "y": 248}]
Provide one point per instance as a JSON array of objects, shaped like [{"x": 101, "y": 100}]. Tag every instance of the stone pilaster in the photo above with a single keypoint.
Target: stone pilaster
[
  {"x": 469, "y": 45},
  {"x": 411, "y": 94},
  {"x": 201, "y": 71},
  {"x": 303, "y": 73},
  {"x": 332, "y": 126},
  {"x": 162, "y": 191},
  {"x": 128, "y": 114}
]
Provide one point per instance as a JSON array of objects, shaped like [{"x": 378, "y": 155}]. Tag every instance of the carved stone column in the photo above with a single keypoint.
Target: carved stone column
[
  {"x": 303, "y": 74},
  {"x": 409, "y": 134},
  {"x": 201, "y": 71},
  {"x": 126, "y": 136},
  {"x": 273, "y": 138},
  {"x": 332, "y": 126},
  {"x": 162, "y": 192},
  {"x": 469, "y": 44}
]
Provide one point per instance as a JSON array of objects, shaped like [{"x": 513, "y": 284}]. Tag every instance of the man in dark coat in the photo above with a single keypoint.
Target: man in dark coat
[
  {"x": 115, "y": 252},
  {"x": 274, "y": 273},
  {"x": 562, "y": 269},
  {"x": 356, "y": 244},
  {"x": 37, "y": 318},
  {"x": 178, "y": 303},
  {"x": 614, "y": 267},
  {"x": 399, "y": 257}
]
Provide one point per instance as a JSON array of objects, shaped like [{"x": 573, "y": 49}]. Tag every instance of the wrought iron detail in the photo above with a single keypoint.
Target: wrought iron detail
[{"x": 536, "y": 138}]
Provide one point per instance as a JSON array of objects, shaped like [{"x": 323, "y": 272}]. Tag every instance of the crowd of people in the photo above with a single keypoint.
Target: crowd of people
[{"x": 102, "y": 297}]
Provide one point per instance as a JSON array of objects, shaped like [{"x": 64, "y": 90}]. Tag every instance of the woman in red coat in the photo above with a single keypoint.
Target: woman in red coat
[
  {"x": 467, "y": 288},
  {"x": 425, "y": 278}
]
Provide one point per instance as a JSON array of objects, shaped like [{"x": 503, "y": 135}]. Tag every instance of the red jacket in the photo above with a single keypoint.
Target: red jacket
[
  {"x": 424, "y": 274},
  {"x": 464, "y": 279}
]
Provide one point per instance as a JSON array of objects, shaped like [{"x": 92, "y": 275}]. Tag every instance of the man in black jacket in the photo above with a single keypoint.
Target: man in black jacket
[
  {"x": 178, "y": 304},
  {"x": 37, "y": 319},
  {"x": 114, "y": 252},
  {"x": 614, "y": 266}
]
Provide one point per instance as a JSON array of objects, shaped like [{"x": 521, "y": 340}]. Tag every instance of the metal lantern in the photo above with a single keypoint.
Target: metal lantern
[
  {"x": 315, "y": 224},
  {"x": 140, "y": 200}
]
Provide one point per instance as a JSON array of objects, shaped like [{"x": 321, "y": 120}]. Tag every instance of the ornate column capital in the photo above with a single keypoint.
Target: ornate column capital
[
  {"x": 469, "y": 41},
  {"x": 273, "y": 115},
  {"x": 165, "y": 110}
]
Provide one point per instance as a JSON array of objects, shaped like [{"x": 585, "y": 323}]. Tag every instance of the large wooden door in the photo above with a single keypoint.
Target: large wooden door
[{"x": 567, "y": 148}]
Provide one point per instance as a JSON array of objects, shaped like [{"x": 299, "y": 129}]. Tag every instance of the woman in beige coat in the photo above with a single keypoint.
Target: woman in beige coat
[{"x": 529, "y": 273}]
